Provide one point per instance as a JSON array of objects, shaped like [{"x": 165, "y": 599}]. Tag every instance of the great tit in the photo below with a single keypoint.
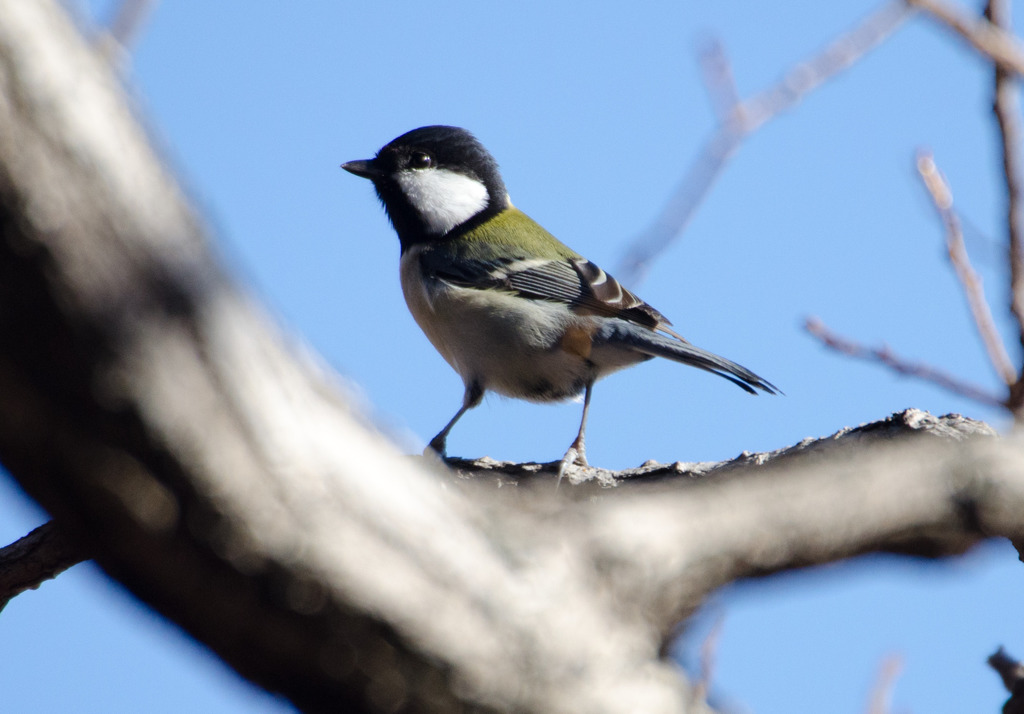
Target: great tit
[{"x": 511, "y": 308}]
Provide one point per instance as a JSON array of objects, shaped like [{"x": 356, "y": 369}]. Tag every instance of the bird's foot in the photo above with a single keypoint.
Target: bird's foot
[
  {"x": 575, "y": 458},
  {"x": 436, "y": 447}
]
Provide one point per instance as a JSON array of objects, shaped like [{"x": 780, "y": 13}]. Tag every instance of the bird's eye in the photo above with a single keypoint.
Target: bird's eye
[{"x": 419, "y": 160}]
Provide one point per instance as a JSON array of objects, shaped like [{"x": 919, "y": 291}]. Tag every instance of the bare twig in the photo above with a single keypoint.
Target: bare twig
[
  {"x": 719, "y": 80},
  {"x": 1009, "y": 670},
  {"x": 841, "y": 54},
  {"x": 942, "y": 198},
  {"x": 41, "y": 555},
  {"x": 708, "y": 656},
  {"x": 124, "y": 29},
  {"x": 1006, "y": 107},
  {"x": 881, "y": 692},
  {"x": 885, "y": 356},
  {"x": 743, "y": 118},
  {"x": 994, "y": 43},
  {"x": 1012, "y": 673},
  {"x": 131, "y": 16}
]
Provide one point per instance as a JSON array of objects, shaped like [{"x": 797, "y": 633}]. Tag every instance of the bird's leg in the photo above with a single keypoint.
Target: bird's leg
[
  {"x": 472, "y": 397},
  {"x": 577, "y": 453}
]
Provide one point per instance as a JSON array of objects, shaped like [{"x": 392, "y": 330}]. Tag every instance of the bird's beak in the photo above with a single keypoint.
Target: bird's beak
[{"x": 366, "y": 168}]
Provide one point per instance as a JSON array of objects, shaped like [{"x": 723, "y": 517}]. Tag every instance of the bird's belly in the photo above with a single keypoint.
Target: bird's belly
[{"x": 507, "y": 344}]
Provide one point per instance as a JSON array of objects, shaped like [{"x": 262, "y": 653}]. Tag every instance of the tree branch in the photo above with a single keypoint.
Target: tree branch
[
  {"x": 666, "y": 550},
  {"x": 917, "y": 370},
  {"x": 118, "y": 38},
  {"x": 743, "y": 118},
  {"x": 1012, "y": 673},
  {"x": 942, "y": 198},
  {"x": 881, "y": 693},
  {"x": 992, "y": 42},
  {"x": 41, "y": 555},
  {"x": 593, "y": 482},
  {"x": 1006, "y": 107}
]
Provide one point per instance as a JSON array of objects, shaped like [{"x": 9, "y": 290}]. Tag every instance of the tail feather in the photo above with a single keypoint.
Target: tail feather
[{"x": 652, "y": 343}]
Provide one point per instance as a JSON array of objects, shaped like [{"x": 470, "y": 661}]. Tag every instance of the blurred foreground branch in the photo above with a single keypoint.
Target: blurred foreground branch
[{"x": 215, "y": 467}]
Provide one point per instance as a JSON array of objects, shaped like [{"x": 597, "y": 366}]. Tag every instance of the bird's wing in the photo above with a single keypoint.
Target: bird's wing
[{"x": 575, "y": 281}]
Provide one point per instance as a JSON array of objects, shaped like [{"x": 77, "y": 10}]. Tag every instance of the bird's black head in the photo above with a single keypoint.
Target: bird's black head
[{"x": 433, "y": 180}]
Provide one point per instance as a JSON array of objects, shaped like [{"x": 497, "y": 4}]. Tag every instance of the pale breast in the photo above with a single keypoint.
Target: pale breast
[{"x": 506, "y": 343}]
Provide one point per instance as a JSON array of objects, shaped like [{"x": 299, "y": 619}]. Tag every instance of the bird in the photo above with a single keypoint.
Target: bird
[{"x": 511, "y": 308}]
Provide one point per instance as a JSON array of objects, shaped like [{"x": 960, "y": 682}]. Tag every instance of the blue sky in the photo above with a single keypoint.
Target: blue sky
[{"x": 594, "y": 117}]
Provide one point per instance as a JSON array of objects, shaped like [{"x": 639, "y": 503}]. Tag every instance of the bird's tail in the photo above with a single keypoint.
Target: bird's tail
[{"x": 642, "y": 339}]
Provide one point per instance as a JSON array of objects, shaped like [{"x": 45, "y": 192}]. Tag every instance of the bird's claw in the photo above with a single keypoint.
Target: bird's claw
[
  {"x": 575, "y": 458},
  {"x": 436, "y": 449}
]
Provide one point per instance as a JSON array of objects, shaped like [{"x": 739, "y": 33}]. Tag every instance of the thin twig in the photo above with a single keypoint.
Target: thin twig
[
  {"x": 117, "y": 41},
  {"x": 1012, "y": 673},
  {"x": 744, "y": 118},
  {"x": 41, "y": 555},
  {"x": 708, "y": 657},
  {"x": 719, "y": 80},
  {"x": 881, "y": 693},
  {"x": 942, "y": 198},
  {"x": 1009, "y": 670},
  {"x": 131, "y": 16},
  {"x": 841, "y": 54},
  {"x": 1006, "y": 107},
  {"x": 885, "y": 356},
  {"x": 994, "y": 43}
]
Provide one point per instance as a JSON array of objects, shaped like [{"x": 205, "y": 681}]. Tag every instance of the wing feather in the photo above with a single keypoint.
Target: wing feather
[{"x": 577, "y": 282}]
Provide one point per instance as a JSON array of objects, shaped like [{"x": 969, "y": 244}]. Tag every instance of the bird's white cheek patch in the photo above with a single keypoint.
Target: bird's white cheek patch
[{"x": 443, "y": 198}]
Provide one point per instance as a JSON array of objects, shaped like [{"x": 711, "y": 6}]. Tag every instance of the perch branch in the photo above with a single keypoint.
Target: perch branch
[{"x": 664, "y": 550}]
